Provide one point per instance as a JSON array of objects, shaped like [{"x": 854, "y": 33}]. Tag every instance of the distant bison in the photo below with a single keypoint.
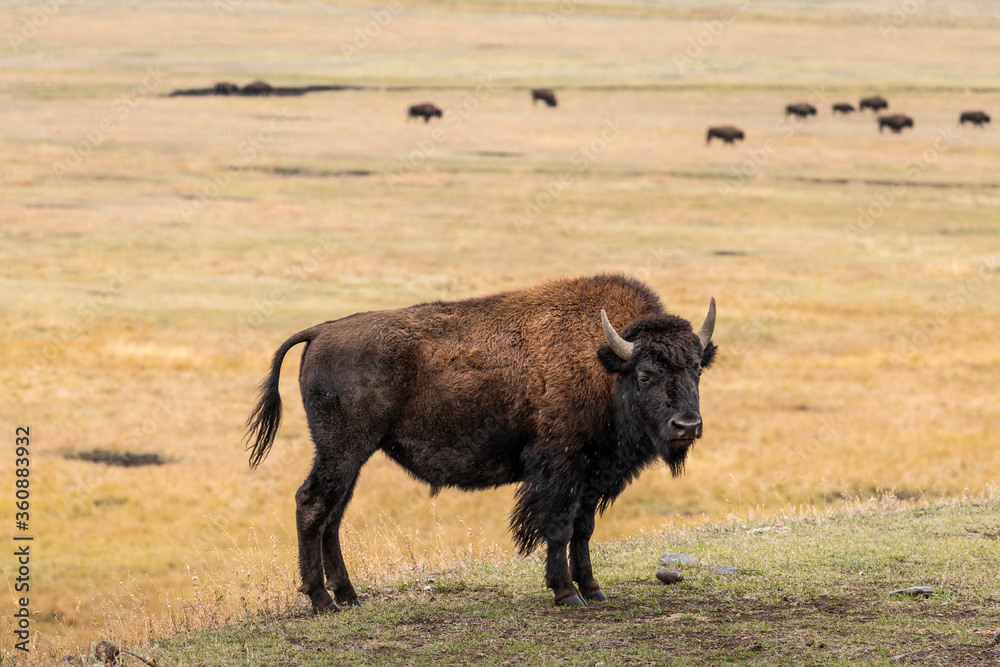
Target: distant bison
[
  {"x": 727, "y": 133},
  {"x": 896, "y": 122},
  {"x": 546, "y": 95},
  {"x": 257, "y": 88},
  {"x": 534, "y": 387},
  {"x": 875, "y": 103},
  {"x": 425, "y": 111},
  {"x": 974, "y": 117},
  {"x": 801, "y": 110},
  {"x": 226, "y": 88},
  {"x": 844, "y": 108}
]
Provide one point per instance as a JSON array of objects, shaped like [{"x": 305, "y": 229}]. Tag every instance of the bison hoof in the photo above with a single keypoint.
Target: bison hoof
[
  {"x": 575, "y": 601},
  {"x": 596, "y": 596},
  {"x": 334, "y": 607},
  {"x": 353, "y": 603}
]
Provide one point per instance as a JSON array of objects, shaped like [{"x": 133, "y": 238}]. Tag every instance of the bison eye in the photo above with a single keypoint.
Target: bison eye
[
  {"x": 644, "y": 377},
  {"x": 700, "y": 371}
]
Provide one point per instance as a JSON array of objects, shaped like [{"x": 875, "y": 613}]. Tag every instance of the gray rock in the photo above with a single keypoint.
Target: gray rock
[
  {"x": 676, "y": 559},
  {"x": 914, "y": 591},
  {"x": 723, "y": 569},
  {"x": 899, "y": 659},
  {"x": 668, "y": 575},
  {"x": 996, "y": 637}
]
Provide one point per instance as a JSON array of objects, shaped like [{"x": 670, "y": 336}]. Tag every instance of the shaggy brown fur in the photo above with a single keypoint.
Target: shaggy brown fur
[
  {"x": 546, "y": 95},
  {"x": 895, "y": 122},
  {"x": 974, "y": 117},
  {"x": 875, "y": 103},
  {"x": 727, "y": 133},
  {"x": 517, "y": 387},
  {"x": 844, "y": 108},
  {"x": 426, "y": 110},
  {"x": 800, "y": 110}
]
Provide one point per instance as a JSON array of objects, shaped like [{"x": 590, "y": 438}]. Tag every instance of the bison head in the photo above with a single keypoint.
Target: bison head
[{"x": 658, "y": 360}]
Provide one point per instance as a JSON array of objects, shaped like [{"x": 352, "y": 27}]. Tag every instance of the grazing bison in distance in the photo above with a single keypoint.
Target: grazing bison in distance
[
  {"x": 257, "y": 88},
  {"x": 974, "y": 117},
  {"x": 546, "y": 95},
  {"x": 876, "y": 103},
  {"x": 534, "y": 387},
  {"x": 801, "y": 110},
  {"x": 727, "y": 133},
  {"x": 426, "y": 111},
  {"x": 843, "y": 107},
  {"x": 226, "y": 88},
  {"x": 895, "y": 122}
]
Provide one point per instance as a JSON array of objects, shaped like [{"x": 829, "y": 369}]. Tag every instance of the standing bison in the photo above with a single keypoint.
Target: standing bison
[
  {"x": 257, "y": 88},
  {"x": 895, "y": 122},
  {"x": 876, "y": 103},
  {"x": 425, "y": 111},
  {"x": 534, "y": 387},
  {"x": 546, "y": 95},
  {"x": 974, "y": 117},
  {"x": 226, "y": 88},
  {"x": 843, "y": 107},
  {"x": 801, "y": 110},
  {"x": 727, "y": 133}
]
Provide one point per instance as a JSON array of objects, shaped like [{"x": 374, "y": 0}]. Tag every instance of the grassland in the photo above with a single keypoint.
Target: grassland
[{"x": 157, "y": 250}]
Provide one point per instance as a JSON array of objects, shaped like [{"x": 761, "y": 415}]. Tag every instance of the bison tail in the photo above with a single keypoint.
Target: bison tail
[{"x": 263, "y": 422}]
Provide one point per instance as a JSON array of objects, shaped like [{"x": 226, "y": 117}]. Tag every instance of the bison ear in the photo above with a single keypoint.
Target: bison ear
[
  {"x": 708, "y": 355},
  {"x": 610, "y": 360}
]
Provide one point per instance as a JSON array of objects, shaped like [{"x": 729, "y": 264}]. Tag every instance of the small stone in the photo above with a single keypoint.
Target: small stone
[
  {"x": 914, "y": 591},
  {"x": 723, "y": 569},
  {"x": 996, "y": 638},
  {"x": 898, "y": 659},
  {"x": 668, "y": 575},
  {"x": 676, "y": 559}
]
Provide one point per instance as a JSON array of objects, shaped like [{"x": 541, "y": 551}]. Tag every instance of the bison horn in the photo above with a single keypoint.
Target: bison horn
[
  {"x": 705, "y": 334},
  {"x": 622, "y": 347}
]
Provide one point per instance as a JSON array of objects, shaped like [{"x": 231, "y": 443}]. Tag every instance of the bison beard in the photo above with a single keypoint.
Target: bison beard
[{"x": 534, "y": 387}]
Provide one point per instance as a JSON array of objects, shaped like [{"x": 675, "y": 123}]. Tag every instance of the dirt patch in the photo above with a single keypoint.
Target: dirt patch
[{"x": 121, "y": 459}]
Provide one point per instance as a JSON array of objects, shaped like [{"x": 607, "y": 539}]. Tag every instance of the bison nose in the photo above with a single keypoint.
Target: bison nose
[{"x": 685, "y": 426}]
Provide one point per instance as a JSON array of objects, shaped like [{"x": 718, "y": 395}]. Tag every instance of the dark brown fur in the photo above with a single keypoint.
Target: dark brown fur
[
  {"x": 426, "y": 111},
  {"x": 517, "y": 387},
  {"x": 727, "y": 133},
  {"x": 875, "y": 103},
  {"x": 801, "y": 110},
  {"x": 546, "y": 95},
  {"x": 974, "y": 117},
  {"x": 226, "y": 88},
  {"x": 844, "y": 108},
  {"x": 895, "y": 122},
  {"x": 257, "y": 88}
]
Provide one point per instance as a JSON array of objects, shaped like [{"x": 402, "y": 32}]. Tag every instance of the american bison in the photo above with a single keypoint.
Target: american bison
[
  {"x": 546, "y": 95},
  {"x": 876, "y": 103},
  {"x": 257, "y": 88},
  {"x": 801, "y": 110},
  {"x": 226, "y": 88},
  {"x": 974, "y": 117},
  {"x": 843, "y": 107},
  {"x": 425, "y": 110},
  {"x": 534, "y": 387},
  {"x": 895, "y": 122},
  {"x": 727, "y": 133}
]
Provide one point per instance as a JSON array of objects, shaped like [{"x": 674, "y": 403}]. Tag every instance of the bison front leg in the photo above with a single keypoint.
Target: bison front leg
[
  {"x": 579, "y": 554},
  {"x": 557, "y": 574}
]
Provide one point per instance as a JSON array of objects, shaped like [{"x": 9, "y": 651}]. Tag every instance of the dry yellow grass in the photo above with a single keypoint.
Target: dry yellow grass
[{"x": 146, "y": 287}]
